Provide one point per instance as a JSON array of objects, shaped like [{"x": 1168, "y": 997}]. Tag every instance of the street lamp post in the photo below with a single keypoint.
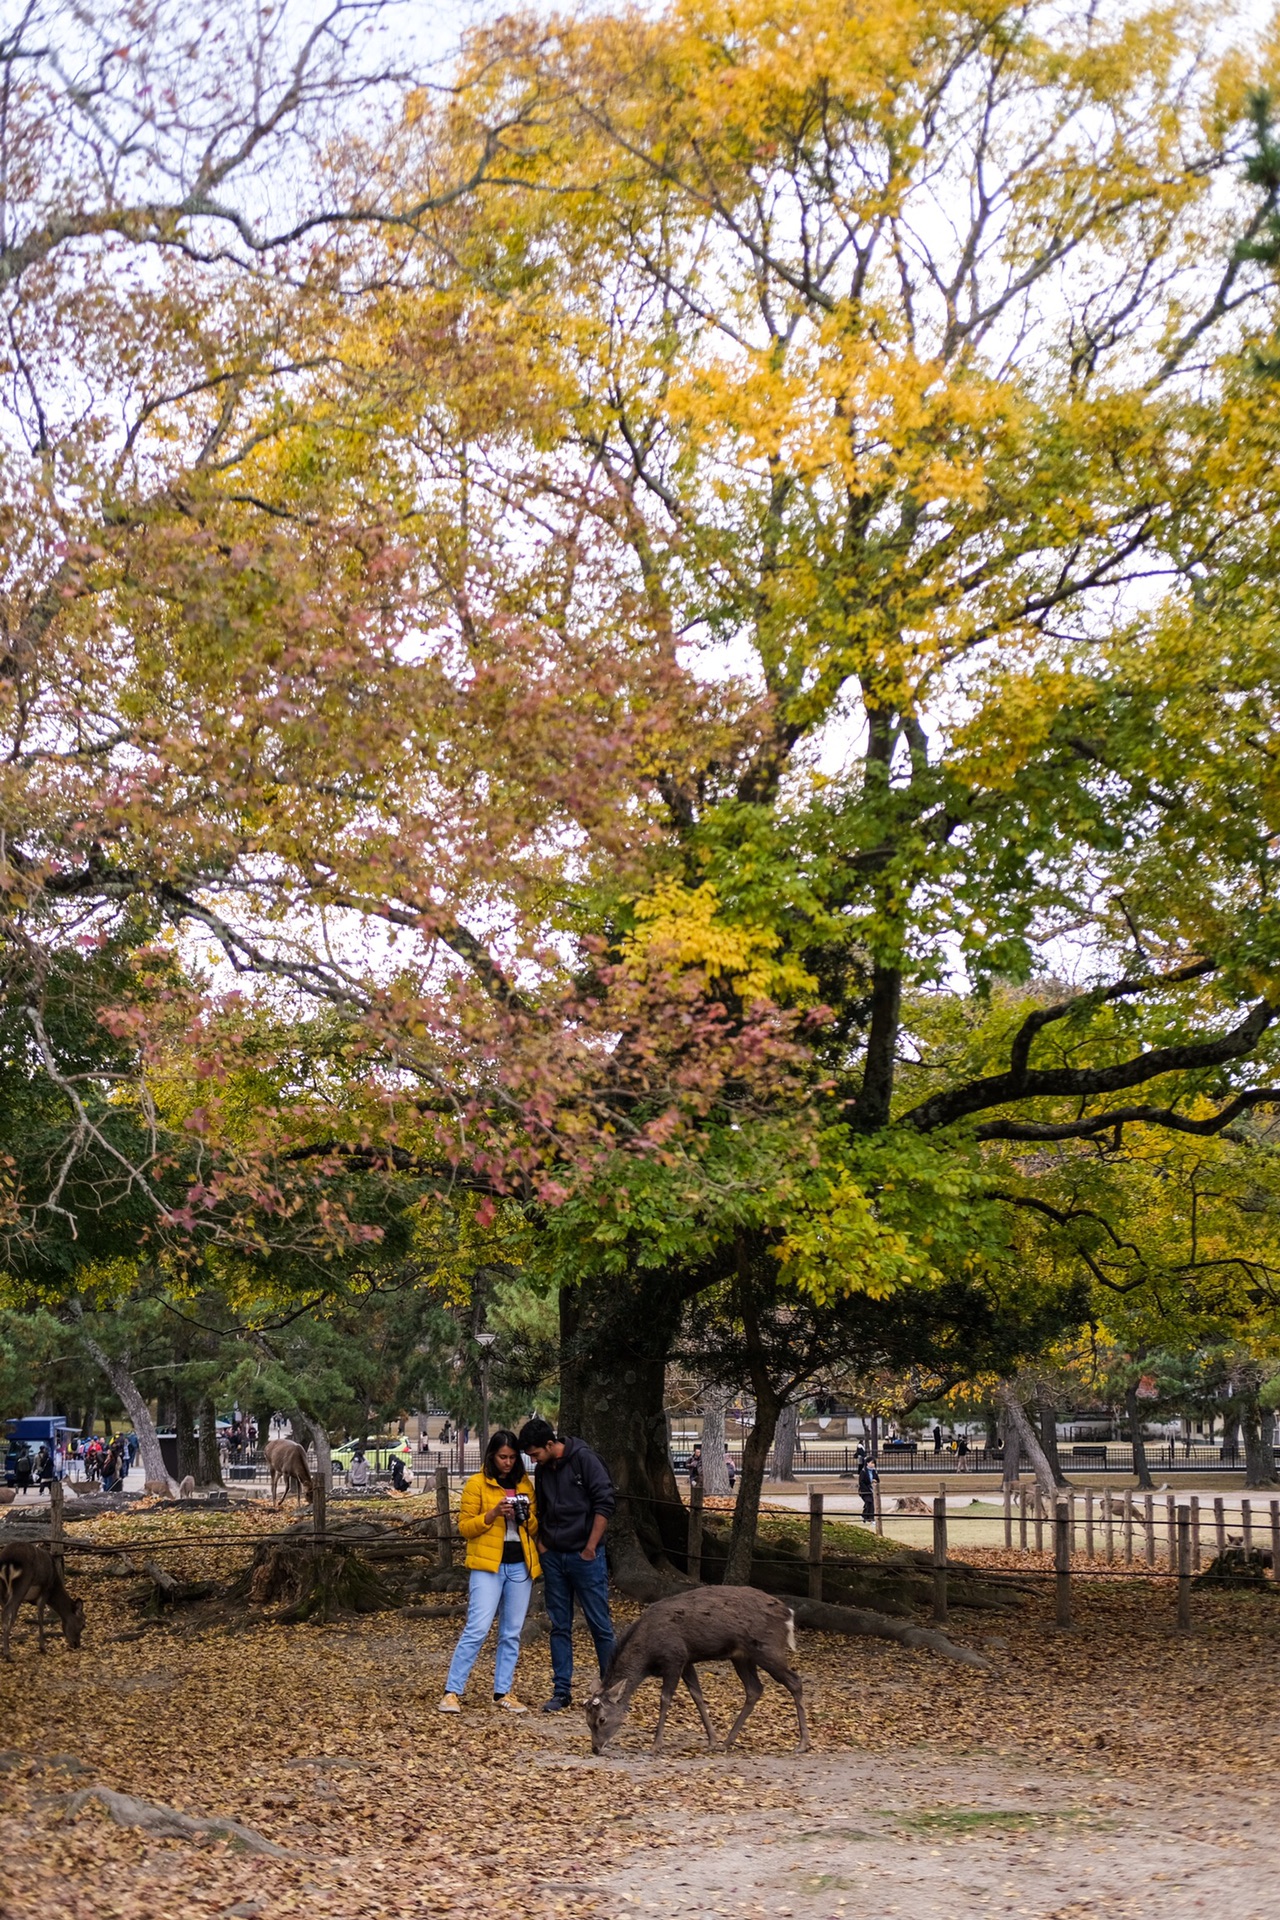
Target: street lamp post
[{"x": 485, "y": 1342}]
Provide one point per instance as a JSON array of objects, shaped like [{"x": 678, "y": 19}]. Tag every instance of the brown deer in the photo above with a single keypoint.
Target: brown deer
[
  {"x": 738, "y": 1624},
  {"x": 286, "y": 1461},
  {"x": 29, "y": 1572}
]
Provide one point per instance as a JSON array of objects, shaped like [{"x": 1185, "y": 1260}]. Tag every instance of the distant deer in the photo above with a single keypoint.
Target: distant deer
[
  {"x": 739, "y": 1624},
  {"x": 29, "y": 1572},
  {"x": 286, "y": 1461}
]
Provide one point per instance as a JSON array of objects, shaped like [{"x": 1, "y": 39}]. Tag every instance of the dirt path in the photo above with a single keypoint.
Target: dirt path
[{"x": 974, "y": 1842}]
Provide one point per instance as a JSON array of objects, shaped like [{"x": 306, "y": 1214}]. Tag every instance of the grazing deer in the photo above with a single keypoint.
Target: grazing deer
[
  {"x": 286, "y": 1461},
  {"x": 29, "y": 1572},
  {"x": 739, "y": 1624}
]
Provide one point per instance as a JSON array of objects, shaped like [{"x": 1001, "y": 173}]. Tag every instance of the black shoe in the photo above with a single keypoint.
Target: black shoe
[{"x": 557, "y": 1703}]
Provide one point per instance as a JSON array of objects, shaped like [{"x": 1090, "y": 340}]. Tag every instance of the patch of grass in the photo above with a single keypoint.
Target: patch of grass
[
  {"x": 839, "y": 1536},
  {"x": 975, "y": 1819}
]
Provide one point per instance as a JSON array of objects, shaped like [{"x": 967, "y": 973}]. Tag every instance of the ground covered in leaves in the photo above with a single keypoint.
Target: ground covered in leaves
[{"x": 359, "y": 1800}]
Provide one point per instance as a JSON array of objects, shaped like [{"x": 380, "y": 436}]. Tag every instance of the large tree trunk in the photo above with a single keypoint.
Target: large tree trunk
[
  {"x": 784, "y": 1443},
  {"x": 185, "y": 1428},
  {"x": 210, "y": 1473},
  {"x": 117, "y": 1372},
  {"x": 615, "y": 1341},
  {"x": 1015, "y": 1416},
  {"x": 746, "y": 1513},
  {"x": 1133, "y": 1419},
  {"x": 1258, "y": 1428},
  {"x": 318, "y": 1436},
  {"x": 1012, "y": 1454},
  {"x": 1048, "y": 1423},
  {"x": 714, "y": 1404}
]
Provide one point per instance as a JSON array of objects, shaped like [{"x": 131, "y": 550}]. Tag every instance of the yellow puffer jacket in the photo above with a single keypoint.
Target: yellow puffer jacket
[{"x": 484, "y": 1542}]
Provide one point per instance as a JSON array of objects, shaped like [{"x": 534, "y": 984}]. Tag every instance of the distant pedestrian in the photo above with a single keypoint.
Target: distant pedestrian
[
  {"x": 730, "y": 1469},
  {"x": 22, "y": 1468},
  {"x": 867, "y": 1479},
  {"x": 962, "y": 1451},
  {"x": 44, "y": 1468},
  {"x": 937, "y": 1437},
  {"x": 695, "y": 1467}
]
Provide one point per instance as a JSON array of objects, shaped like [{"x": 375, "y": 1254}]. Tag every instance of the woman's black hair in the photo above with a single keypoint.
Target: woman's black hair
[{"x": 503, "y": 1437}]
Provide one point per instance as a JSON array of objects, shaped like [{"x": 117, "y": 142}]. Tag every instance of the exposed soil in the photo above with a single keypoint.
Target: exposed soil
[{"x": 962, "y": 1842}]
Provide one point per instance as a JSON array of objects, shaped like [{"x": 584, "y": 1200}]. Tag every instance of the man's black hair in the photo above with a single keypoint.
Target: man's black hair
[{"x": 536, "y": 1433}]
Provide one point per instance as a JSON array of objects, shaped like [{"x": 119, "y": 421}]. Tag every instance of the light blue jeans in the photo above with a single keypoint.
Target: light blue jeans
[{"x": 506, "y": 1593}]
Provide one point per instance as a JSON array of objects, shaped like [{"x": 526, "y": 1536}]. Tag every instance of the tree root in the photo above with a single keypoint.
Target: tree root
[
  {"x": 313, "y": 1583},
  {"x": 169, "y": 1824},
  {"x": 823, "y": 1617},
  {"x": 648, "y": 1583}
]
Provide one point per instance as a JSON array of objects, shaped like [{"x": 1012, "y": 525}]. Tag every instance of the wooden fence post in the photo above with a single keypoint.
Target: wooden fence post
[
  {"x": 1109, "y": 1526},
  {"x": 1149, "y": 1527},
  {"x": 1220, "y": 1524},
  {"x": 815, "y": 1544},
  {"x": 1171, "y": 1525},
  {"x": 695, "y": 1530},
  {"x": 1088, "y": 1525},
  {"x": 319, "y": 1505},
  {"x": 939, "y": 1558},
  {"x": 1184, "y": 1570},
  {"x": 1062, "y": 1562},
  {"x": 1128, "y": 1529},
  {"x": 1246, "y": 1523},
  {"x": 1023, "y": 1496},
  {"x": 56, "y": 1521},
  {"x": 1039, "y": 1518},
  {"x": 1195, "y": 1533},
  {"x": 1008, "y": 1516},
  {"x": 444, "y": 1520},
  {"x": 1275, "y": 1539}
]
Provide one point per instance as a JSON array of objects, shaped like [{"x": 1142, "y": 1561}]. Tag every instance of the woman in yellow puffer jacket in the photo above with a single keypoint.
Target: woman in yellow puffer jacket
[{"x": 498, "y": 1521}]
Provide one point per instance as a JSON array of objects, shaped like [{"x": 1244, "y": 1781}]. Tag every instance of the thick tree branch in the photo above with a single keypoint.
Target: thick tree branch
[
  {"x": 995, "y": 1090},
  {"x": 1116, "y": 1117}
]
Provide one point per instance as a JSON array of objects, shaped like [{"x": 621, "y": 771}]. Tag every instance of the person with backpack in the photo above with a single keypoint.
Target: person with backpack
[
  {"x": 576, "y": 1501},
  {"x": 867, "y": 1478}
]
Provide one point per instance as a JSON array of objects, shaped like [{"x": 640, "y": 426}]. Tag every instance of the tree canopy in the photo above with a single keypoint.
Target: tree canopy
[{"x": 684, "y": 645}]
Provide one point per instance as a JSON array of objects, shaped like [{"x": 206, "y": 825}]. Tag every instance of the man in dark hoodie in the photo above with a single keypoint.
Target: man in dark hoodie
[{"x": 575, "y": 1502}]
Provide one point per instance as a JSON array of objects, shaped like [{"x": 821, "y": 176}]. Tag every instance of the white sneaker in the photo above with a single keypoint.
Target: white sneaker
[
  {"x": 507, "y": 1703},
  {"x": 450, "y": 1704}
]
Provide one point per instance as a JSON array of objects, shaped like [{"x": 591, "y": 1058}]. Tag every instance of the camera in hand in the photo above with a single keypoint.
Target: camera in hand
[{"x": 519, "y": 1505}]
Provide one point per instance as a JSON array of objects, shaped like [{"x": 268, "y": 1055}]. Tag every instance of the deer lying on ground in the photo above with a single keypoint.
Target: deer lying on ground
[
  {"x": 738, "y": 1624},
  {"x": 29, "y": 1572},
  {"x": 286, "y": 1461}
]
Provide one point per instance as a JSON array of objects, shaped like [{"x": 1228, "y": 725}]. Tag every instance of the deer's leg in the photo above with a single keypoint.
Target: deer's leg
[
  {"x": 40, "y": 1621},
  {"x": 745, "y": 1669},
  {"x": 10, "y": 1611},
  {"x": 788, "y": 1677},
  {"x": 670, "y": 1681},
  {"x": 694, "y": 1686}
]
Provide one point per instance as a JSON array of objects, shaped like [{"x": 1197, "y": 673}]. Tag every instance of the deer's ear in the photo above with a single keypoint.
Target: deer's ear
[{"x": 616, "y": 1691}]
